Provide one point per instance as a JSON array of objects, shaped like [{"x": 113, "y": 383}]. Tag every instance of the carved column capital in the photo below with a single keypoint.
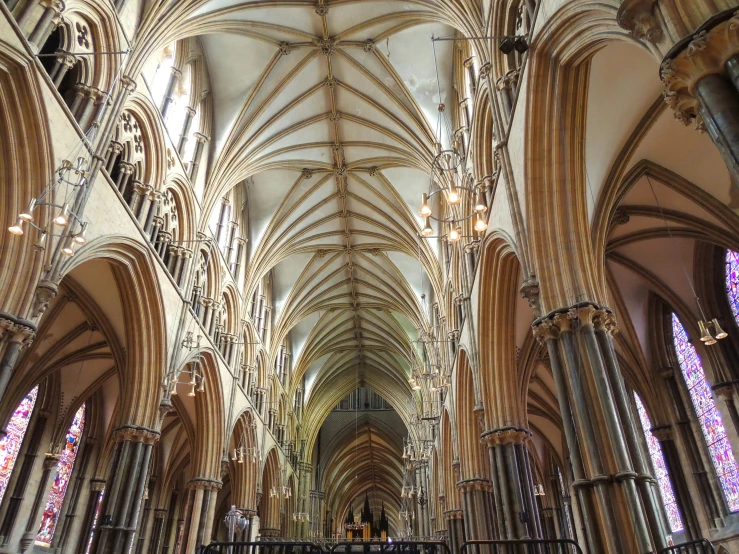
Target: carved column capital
[
  {"x": 505, "y": 435},
  {"x": 135, "y": 434},
  {"x": 704, "y": 54},
  {"x": 663, "y": 433},
  {"x": 203, "y": 483}
]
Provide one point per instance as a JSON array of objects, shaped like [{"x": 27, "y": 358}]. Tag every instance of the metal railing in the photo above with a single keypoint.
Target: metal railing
[
  {"x": 701, "y": 546},
  {"x": 521, "y": 546},
  {"x": 262, "y": 547},
  {"x": 391, "y": 547}
]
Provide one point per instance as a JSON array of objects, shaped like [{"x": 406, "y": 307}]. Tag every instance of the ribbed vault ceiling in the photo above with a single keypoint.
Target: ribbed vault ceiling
[{"x": 326, "y": 112}]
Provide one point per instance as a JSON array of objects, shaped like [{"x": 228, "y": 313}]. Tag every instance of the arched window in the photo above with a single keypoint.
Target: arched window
[
  {"x": 61, "y": 479},
  {"x": 660, "y": 469},
  {"x": 732, "y": 281},
  {"x": 162, "y": 76},
  {"x": 709, "y": 417},
  {"x": 175, "y": 121},
  {"x": 10, "y": 444}
]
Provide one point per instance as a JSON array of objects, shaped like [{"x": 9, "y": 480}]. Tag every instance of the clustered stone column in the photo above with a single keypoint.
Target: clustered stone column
[
  {"x": 15, "y": 334},
  {"x": 455, "y": 528},
  {"x": 516, "y": 511},
  {"x": 477, "y": 503},
  {"x": 616, "y": 497},
  {"x": 200, "y": 512},
  {"x": 119, "y": 513},
  {"x": 701, "y": 78}
]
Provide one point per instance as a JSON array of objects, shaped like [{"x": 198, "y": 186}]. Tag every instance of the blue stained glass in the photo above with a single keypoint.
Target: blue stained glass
[
  {"x": 660, "y": 469},
  {"x": 732, "y": 281},
  {"x": 61, "y": 479},
  {"x": 11, "y": 443},
  {"x": 708, "y": 415}
]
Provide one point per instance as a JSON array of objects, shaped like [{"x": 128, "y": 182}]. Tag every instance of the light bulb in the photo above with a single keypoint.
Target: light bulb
[
  {"x": 63, "y": 218},
  {"x": 27, "y": 215},
  {"x": 201, "y": 386},
  {"x": 427, "y": 231},
  {"x": 454, "y": 235},
  {"x": 720, "y": 333},
  {"x": 79, "y": 238},
  {"x": 416, "y": 387},
  {"x": 192, "y": 390},
  {"x": 174, "y": 390},
  {"x": 480, "y": 223},
  {"x": 425, "y": 210},
  {"x": 16, "y": 229},
  {"x": 41, "y": 241},
  {"x": 480, "y": 204},
  {"x": 68, "y": 248},
  {"x": 453, "y": 196}
]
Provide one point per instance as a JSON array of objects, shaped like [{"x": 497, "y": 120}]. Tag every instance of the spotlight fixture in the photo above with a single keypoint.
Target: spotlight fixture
[
  {"x": 509, "y": 44},
  {"x": 506, "y": 45},
  {"x": 706, "y": 337},
  {"x": 454, "y": 234},
  {"x": 480, "y": 224},
  {"x": 63, "y": 218},
  {"x": 521, "y": 44},
  {"x": 16, "y": 229}
]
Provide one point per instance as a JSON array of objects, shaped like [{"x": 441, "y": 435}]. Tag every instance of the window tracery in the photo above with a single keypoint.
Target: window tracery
[
  {"x": 660, "y": 469},
  {"x": 11, "y": 443},
  {"x": 708, "y": 415},
  {"x": 64, "y": 468}
]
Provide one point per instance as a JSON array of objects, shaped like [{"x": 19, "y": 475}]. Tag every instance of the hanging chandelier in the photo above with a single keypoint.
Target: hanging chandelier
[
  {"x": 196, "y": 379},
  {"x": 57, "y": 211},
  {"x": 242, "y": 451},
  {"x": 464, "y": 201}
]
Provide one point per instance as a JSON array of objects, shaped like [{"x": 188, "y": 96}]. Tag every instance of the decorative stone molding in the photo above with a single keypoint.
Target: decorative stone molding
[
  {"x": 202, "y": 483},
  {"x": 45, "y": 292},
  {"x": 369, "y": 45},
  {"x": 285, "y": 48},
  {"x": 327, "y": 46},
  {"x": 321, "y": 8},
  {"x": 307, "y": 173},
  {"x": 530, "y": 290},
  {"x": 724, "y": 390},
  {"x": 135, "y": 434},
  {"x": 453, "y": 514},
  {"x": 470, "y": 485},
  {"x": 128, "y": 83},
  {"x": 639, "y": 18},
  {"x": 705, "y": 54},
  {"x": 505, "y": 435},
  {"x": 621, "y": 216},
  {"x": 17, "y": 332},
  {"x": 97, "y": 485}
]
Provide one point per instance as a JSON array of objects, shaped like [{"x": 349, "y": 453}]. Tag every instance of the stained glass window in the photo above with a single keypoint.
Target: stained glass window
[
  {"x": 95, "y": 521},
  {"x": 732, "y": 281},
  {"x": 10, "y": 444},
  {"x": 61, "y": 479},
  {"x": 709, "y": 417},
  {"x": 660, "y": 469}
]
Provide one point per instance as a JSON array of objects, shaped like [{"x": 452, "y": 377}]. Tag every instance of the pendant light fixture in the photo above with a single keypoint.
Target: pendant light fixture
[{"x": 447, "y": 182}]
